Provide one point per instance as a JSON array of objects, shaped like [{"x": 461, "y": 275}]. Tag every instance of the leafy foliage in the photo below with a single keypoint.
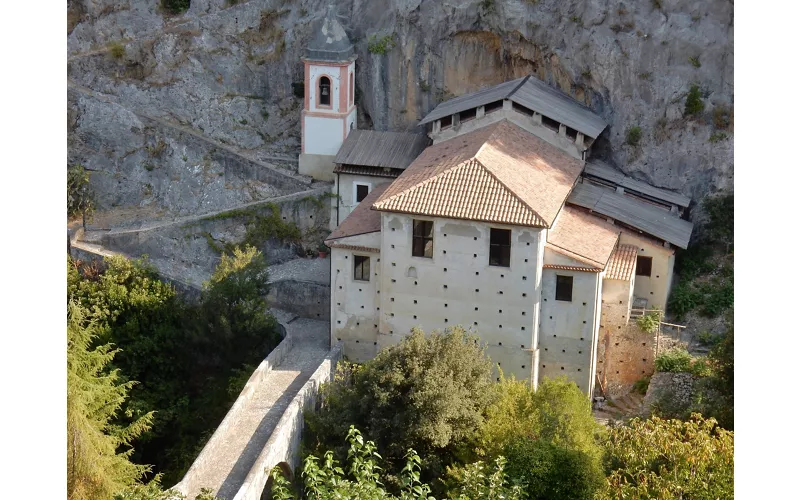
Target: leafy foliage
[
  {"x": 325, "y": 478},
  {"x": 175, "y": 6},
  {"x": 694, "y": 61},
  {"x": 380, "y": 45},
  {"x": 641, "y": 385},
  {"x": 553, "y": 472},
  {"x": 95, "y": 467},
  {"x": 427, "y": 393},
  {"x": 633, "y": 135},
  {"x": 537, "y": 430},
  {"x": 670, "y": 459},
  {"x": 674, "y": 361},
  {"x": 190, "y": 357},
  {"x": 649, "y": 322},
  {"x": 116, "y": 49},
  {"x": 694, "y": 102},
  {"x": 722, "y": 117},
  {"x": 80, "y": 197}
]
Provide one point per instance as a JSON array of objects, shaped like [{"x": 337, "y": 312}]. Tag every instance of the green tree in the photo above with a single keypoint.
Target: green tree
[
  {"x": 96, "y": 468},
  {"x": 670, "y": 459},
  {"x": 427, "y": 393},
  {"x": 549, "y": 436},
  {"x": 80, "y": 197}
]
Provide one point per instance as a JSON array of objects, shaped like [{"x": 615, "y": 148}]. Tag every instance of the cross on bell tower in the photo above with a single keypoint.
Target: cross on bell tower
[{"x": 329, "y": 111}]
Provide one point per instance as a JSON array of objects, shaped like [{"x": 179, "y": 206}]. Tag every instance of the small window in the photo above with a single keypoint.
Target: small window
[
  {"x": 564, "y": 288},
  {"x": 492, "y": 106},
  {"x": 362, "y": 190},
  {"x": 423, "y": 239},
  {"x": 550, "y": 123},
  {"x": 521, "y": 109},
  {"x": 446, "y": 121},
  {"x": 644, "y": 266},
  {"x": 360, "y": 268},
  {"x": 500, "y": 247},
  {"x": 572, "y": 133},
  {"x": 324, "y": 91},
  {"x": 468, "y": 114}
]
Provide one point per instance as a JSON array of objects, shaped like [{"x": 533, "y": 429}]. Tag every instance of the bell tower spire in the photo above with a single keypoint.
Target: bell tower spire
[{"x": 329, "y": 110}]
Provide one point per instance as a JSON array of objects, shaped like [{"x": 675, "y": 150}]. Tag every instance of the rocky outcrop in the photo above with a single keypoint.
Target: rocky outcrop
[{"x": 226, "y": 69}]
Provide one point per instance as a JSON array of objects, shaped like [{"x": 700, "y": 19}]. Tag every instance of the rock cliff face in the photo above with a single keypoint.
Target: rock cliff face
[{"x": 224, "y": 69}]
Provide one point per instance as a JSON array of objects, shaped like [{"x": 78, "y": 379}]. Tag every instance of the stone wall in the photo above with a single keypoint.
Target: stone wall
[
  {"x": 284, "y": 443},
  {"x": 306, "y": 299}
]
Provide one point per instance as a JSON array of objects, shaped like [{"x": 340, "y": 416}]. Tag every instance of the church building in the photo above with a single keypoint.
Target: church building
[{"x": 495, "y": 218}]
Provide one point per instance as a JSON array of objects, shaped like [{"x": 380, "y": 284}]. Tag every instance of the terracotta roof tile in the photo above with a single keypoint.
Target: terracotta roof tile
[
  {"x": 357, "y": 248},
  {"x": 572, "y": 268},
  {"x": 499, "y": 173},
  {"x": 362, "y": 219},
  {"x": 622, "y": 263},
  {"x": 583, "y": 235}
]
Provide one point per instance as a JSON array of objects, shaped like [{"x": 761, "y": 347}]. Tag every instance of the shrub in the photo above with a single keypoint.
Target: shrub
[
  {"x": 674, "y": 361},
  {"x": 633, "y": 136},
  {"x": 80, "y": 196},
  {"x": 694, "y": 61},
  {"x": 721, "y": 117},
  {"x": 717, "y": 137},
  {"x": 427, "y": 393},
  {"x": 694, "y": 102},
  {"x": 380, "y": 45},
  {"x": 683, "y": 299},
  {"x": 649, "y": 322},
  {"x": 641, "y": 385},
  {"x": 657, "y": 458},
  {"x": 175, "y": 6},
  {"x": 556, "y": 412},
  {"x": 707, "y": 339},
  {"x": 553, "y": 472},
  {"x": 116, "y": 49}
]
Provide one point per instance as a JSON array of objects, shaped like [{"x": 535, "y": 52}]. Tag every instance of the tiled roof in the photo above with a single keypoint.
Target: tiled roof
[
  {"x": 571, "y": 268},
  {"x": 373, "y": 171},
  {"x": 362, "y": 219},
  {"x": 583, "y": 235},
  {"x": 374, "y": 148},
  {"x": 622, "y": 263},
  {"x": 356, "y": 248},
  {"x": 499, "y": 173}
]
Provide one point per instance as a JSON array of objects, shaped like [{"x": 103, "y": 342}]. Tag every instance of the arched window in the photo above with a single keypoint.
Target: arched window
[
  {"x": 352, "y": 87},
  {"x": 324, "y": 91}
]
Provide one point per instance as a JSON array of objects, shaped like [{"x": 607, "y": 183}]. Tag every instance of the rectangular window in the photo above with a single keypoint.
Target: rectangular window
[
  {"x": 362, "y": 190},
  {"x": 521, "y": 109},
  {"x": 500, "y": 247},
  {"x": 446, "y": 121},
  {"x": 468, "y": 114},
  {"x": 423, "y": 239},
  {"x": 644, "y": 266},
  {"x": 360, "y": 268},
  {"x": 492, "y": 106},
  {"x": 551, "y": 124},
  {"x": 564, "y": 288}
]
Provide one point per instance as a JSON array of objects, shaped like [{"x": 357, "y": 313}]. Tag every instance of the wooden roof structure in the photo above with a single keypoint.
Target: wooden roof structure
[
  {"x": 643, "y": 216},
  {"x": 607, "y": 173},
  {"x": 373, "y": 148},
  {"x": 533, "y": 94}
]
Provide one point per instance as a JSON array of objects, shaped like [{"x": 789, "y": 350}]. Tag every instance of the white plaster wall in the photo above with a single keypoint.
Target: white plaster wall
[
  {"x": 354, "y": 313},
  {"x": 499, "y": 303},
  {"x": 526, "y": 122},
  {"x": 346, "y": 191},
  {"x": 323, "y": 136},
  {"x": 568, "y": 329},
  {"x": 331, "y": 72},
  {"x": 656, "y": 288},
  {"x": 352, "y": 124}
]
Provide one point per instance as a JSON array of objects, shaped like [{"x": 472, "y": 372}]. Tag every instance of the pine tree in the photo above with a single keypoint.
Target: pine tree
[{"x": 96, "y": 468}]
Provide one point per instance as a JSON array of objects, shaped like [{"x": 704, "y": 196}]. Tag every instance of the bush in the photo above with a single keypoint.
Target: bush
[
  {"x": 649, "y": 322},
  {"x": 553, "y": 472},
  {"x": 380, "y": 45},
  {"x": 641, "y": 385},
  {"x": 427, "y": 393},
  {"x": 722, "y": 117},
  {"x": 694, "y": 102},
  {"x": 116, "y": 49},
  {"x": 633, "y": 136},
  {"x": 669, "y": 459},
  {"x": 674, "y": 361},
  {"x": 175, "y": 6}
]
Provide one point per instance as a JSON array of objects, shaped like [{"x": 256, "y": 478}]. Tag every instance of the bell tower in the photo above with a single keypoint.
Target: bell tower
[{"x": 329, "y": 110}]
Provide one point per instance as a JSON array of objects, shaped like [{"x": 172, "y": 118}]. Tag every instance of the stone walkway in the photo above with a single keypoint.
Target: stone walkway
[
  {"x": 308, "y": 270},
  {"x": 245, "y": 437}
]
